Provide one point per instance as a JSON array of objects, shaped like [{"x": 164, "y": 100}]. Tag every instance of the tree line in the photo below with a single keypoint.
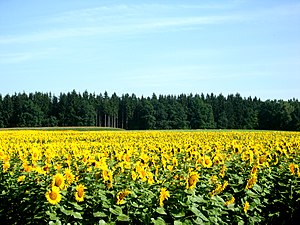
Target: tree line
[{"x": 183, "y": 111}]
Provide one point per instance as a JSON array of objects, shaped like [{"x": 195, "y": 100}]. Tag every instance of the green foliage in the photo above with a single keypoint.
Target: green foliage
[{"x": 162, "y": 112}]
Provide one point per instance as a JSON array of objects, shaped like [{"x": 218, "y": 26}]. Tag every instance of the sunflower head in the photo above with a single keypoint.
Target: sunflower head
[
  {"x": 21, "y": 178},
  {"x": 53, "y": 196},
  {"x": 121, "y": 196},
  {"x": 246, "y": 206},
  {"x": 133, "y": 175},
  {"x": 251, "y": 181},
  {"x": 292, "y": 168},
  {"x": 79, "y": 194},
  {"x": 58, "y": 181},
  {"x": 69, "y": 176},
  {"x": 207, "y": 163},
  {"x": 192, "y": 180},
  {"x": 230, "y": 201},
  {"x": 6, "y": 166},
  {"x": 164, "y": 194}
]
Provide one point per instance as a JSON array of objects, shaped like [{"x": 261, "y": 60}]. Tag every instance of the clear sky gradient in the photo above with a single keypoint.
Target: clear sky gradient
[{"x": 250, "y": 47}]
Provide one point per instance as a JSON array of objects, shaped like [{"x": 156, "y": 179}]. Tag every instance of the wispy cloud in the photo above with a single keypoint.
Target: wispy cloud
[
  {"x": 124, "y": 28},
  {"x": 141, "y": 18},
  {"x": 121, "y": 19},
  {"x": 14, "y": 57},
  {"x": 117, "y": 11},
  {"x": 18, "y": 57}
]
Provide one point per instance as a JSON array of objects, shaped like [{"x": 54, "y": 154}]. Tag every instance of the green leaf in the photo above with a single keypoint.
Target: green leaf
[
  {"x": 134, "y": 204},
  {"x": 202, "y": 216},
  {"x": 161, "y": 211},
  {"x": 231, "y": 206},
  {"x": 52, "y": 215},
  {"x": 241, "y": 222},
  {"x": 116, "y": 211},
  {"x": 177, "y": 222},
  {"x": 102, "y": 222},
  {"x": 76, "y": 206},
  {"x": 56, "y": 223},
  {"x": 77, "y": 215},
  {"x": 213, "y": 220},
  {"x": 65, "y": 211},
  {"x": 198, "y": 199},
  {"x": 105, "y": 205},
  {"x": 99, "y": 214},
  {"x": 198, "y": 221},
  {"x": 198, "y": 213},
  {"x": 111, "y": 223},
  {"x": 195, "y": 210},
  {"x": 179, "y": 215},
  {"x": 158, "y": 221},
  {"x": 251, "y": 193},
  {"x": 257, "y": 188},
  {"x": 187, "y": 222},
  {"x": 123, "y": 217},
  {"x": 256, "y": 201}
]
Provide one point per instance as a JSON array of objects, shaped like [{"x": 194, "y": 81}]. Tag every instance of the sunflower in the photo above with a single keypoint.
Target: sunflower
[
  {"x": 110, "y": 176},
  {"x": 292, "y": 168},
  {"x": 252, "y": 180},
  {"x": 53, "y": 196},
  {"x": 230, "y": 201},
  {"x": 207, "y": 163},
  {"x": 79, "y": 194},
  {"x": 219, "y": 188},
  {"x": 222, "y": 171},
  {"x": 164, "y": 194},
  {"x": 246, "y": 206},
  {"x": 6, "y": 166},
  {"x": 21, "y": 178},
  {"x": 254, "y": 170},
  {"x": 213, "y": 179},
  {"x": 150, "y": 178},
  {"x": 133, "y": 175},
  {"x": 69, "y": 176},
  {"x": 105, "y": 175},
  {"x": 58, "y": 181},
  {"x": 121, "y": 196},
  {"x": 192, "y": 180}
]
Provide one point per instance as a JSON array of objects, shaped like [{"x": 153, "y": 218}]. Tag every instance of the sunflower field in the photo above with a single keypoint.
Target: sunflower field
[{"x": 149, "y": 177}]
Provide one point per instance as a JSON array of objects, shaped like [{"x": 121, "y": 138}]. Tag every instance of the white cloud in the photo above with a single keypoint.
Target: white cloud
[
  {"x": 14, "y": 57},
  {"x": 18, "y": 57},
  {"x": 122, "y": 28},
  {"x": 121, "y": 19}
]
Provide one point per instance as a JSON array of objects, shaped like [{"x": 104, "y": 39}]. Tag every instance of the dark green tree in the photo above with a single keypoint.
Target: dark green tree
[
  {"x": 200, "y": 113},
  {"x": 1, "y": 113}
]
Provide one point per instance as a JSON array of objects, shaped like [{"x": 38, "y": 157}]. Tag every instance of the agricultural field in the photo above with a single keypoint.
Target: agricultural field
[{"x": 149, "y": 177}]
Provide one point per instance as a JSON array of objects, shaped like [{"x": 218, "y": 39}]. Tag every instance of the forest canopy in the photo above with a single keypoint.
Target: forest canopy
[{"x": 183, "y": 111}]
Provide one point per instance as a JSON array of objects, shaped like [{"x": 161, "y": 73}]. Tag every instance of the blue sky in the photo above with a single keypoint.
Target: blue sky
[{"x": 249, "y": 47}]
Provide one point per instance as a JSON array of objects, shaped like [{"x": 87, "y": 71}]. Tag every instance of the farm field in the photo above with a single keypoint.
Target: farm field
[{"x": 149, "y": 177}]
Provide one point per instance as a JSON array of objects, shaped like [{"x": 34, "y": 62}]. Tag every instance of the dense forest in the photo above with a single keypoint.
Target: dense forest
[{"x": 156, "y": 112}]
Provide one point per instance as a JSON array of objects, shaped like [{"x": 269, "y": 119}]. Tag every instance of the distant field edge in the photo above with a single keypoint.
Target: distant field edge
[
  {"x": 92, "y": 128},
  {"x": 65, "y": 128}
]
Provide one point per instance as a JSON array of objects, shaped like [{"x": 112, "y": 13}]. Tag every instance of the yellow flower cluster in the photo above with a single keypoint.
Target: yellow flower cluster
[{"x": 183, "y": 159}]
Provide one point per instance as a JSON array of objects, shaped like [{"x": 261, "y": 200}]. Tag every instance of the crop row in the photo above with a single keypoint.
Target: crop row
[{"x": 151, "y": 177}]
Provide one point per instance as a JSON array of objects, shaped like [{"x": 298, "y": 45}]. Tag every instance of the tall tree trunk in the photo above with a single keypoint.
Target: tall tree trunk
[
  {"x": 122, "y": 122},
  {"x": 96, "y": 122}
]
